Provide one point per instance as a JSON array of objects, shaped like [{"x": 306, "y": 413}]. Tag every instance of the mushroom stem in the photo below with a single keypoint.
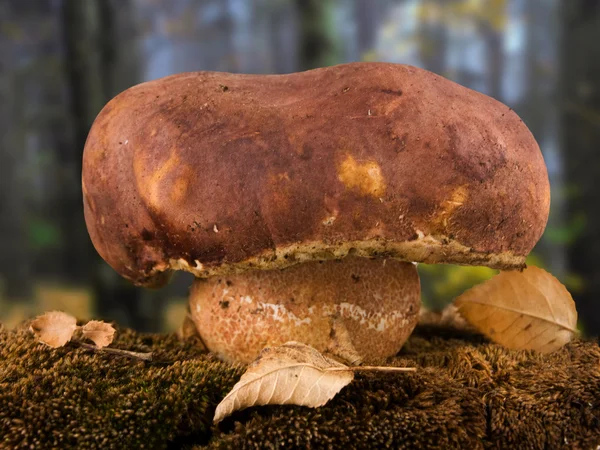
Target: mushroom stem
[{"x": 355, "y": 308}]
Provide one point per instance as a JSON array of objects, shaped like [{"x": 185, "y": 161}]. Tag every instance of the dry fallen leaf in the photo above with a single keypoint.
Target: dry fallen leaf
[
  {"x": 54, "y": 328},
  {"x": 521, "y": 310},
  {"x": 291, "y": 374},
  {"x": 101, "y": 333}
]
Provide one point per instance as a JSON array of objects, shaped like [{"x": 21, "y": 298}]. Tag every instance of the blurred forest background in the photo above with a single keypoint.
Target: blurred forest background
[{"x": 62, "y": 60}]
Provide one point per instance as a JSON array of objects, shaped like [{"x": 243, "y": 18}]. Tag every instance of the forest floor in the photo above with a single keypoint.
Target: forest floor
[{"x": 466, "y": 393}]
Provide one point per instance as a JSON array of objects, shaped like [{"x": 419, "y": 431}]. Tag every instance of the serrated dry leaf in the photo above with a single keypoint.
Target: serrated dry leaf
[
  {"x": 100, "y": 333},
  {"x": 54, "y": 328},
  {"x": 529, "y": 310},
  {"x": 291, "y": 374}
]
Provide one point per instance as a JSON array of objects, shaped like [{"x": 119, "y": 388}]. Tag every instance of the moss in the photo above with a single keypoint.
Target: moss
[
  {"x": 74, "y": 398},
  {"x": 467, "y": 393}
]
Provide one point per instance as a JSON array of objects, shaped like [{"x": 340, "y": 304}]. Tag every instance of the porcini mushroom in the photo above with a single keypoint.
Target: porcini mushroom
[{"x": 300, "y": 202}]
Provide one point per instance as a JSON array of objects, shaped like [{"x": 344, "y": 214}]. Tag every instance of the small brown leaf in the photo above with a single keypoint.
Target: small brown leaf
[
  {"x": 521, "y": 310},
  {"x": 54, "y": 328},
  {"x": 101, "y": 333},
  {"x": 291, "y": 374}
]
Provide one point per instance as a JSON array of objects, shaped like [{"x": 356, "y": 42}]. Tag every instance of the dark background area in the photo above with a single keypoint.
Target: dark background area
[{"x": 62, "y": 60}]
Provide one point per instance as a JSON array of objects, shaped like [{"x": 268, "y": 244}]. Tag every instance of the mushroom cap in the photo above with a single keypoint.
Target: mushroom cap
[
  {"x": 355, "y": 308},
  {"x": 218, "y": 173}
]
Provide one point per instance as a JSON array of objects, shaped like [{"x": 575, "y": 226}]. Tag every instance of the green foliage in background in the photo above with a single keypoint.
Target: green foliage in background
[
  {"x": 43, "y": 234},
  {"x": 441, "y": 283},
  {"x": 568, "y": 233}
]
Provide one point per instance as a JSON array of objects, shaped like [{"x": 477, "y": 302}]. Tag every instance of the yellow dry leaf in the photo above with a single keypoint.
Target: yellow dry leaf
[
  {"x": 291, "y": 374},
  {"x": 528, "y": 310},
  {"x": 101, "y": 333},
  {"x": 54, "y": 328}
]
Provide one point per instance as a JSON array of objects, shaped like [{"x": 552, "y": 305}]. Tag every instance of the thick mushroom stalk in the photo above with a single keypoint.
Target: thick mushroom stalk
[{"x": 355, "y": 308}]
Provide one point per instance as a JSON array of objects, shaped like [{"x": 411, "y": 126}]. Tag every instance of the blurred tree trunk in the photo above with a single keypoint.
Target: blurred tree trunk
[
  {"x": 532, "y": 110},
  {"x": 278, "y": 18},
  {"x": 366, "y": 15},
  {"x": 101, "y": 63},
  {"x": 14, "y": 246},
  {"x": 316, "y": 42},
  {"x": 14, "y": 254},
  {"x": 581, "y": 144},
  {"x": 433, "y": 43},
  {"x": 494, "y": 27},
  {"x": 495, "y": 59},
  {"x": 534, "y": 107},
  {"x": 82, "y": 34}
]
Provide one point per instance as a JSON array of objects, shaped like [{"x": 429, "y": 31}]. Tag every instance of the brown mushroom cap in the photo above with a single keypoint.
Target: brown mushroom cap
[
  {"x": 356, "y": 308},
  {"x": 217, "y": 173}
]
